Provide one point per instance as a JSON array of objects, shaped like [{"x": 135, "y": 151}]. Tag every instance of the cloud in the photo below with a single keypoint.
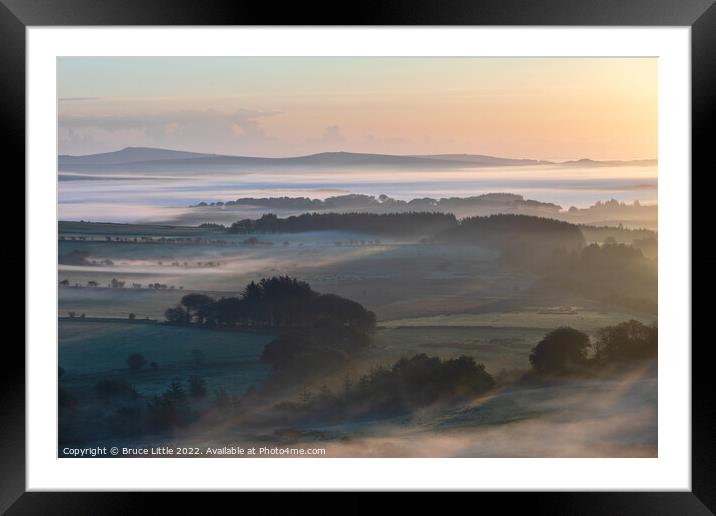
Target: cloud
[
  {"x": 77, "y": 99},
  {"x": 208, "y": 130},
  {"x": 332, "y": 134}
]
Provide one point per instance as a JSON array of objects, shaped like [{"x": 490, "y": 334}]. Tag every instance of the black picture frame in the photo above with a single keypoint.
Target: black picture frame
[{"x": 700, "y": 15}]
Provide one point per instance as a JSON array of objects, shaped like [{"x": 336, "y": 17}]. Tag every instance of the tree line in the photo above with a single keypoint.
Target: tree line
[
  {"x": 275, "y": 303},
  {"x": 409, "y": 223},
  {"x": 495, "y": 230},
  {"x": 566, "y": 350},
  {"x": 315, "y": 331}
]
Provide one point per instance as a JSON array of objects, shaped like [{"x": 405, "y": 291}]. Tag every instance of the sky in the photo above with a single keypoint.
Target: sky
[{"x": 540, "y": 108}]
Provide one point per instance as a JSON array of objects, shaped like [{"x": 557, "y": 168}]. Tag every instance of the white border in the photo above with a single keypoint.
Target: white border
[{"x": 671, "y": 470}]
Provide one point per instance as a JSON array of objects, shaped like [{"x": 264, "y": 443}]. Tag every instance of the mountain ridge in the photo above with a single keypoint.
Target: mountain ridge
[{"x": 151, "y": 159}]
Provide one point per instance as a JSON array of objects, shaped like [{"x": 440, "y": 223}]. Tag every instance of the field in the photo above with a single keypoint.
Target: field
[
  {"x": 440, "y": 300},
  {"x": 545, "y": 318},
  {"x": 90, "y": 351}
]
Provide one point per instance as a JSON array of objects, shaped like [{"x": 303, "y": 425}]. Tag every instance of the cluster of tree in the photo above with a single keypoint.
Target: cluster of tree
[
  {"x": 384, "y": 203},
  {"x": 516, "y": 236},
  {"x": 502, "y": 230},
  {"x": 212, "y": 225},
  {"x": 523, "y": 241},
  {"x": 615, "y": 213},
  {"x": 316, "y": 331},
  {"x": 421, "y": 381},
  {"x": 602, "y": 272},
  {"x": 276, "y": 302},
  {"x": 183, "y": 240},
  {"x": 569, "y": 351},
  {"x": 180, "y": 404},
  {"x": 177, "y": 406},
  {"x": 407, "y": 385},
  {"x": 408, "y": 223},
  {"x": 611, "y": 204},
  {"x": 627, "y": 341},
  {"x": 174, "y": 408},
  {"x": 323, "y": 347},
  {"x": 615, "y": 234},
  {"x": 607, "y": 256}
]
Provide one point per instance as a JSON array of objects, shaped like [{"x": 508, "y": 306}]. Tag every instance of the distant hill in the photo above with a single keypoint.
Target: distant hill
[
  {"x": 128, "y": 155},
  {"x": 149, "y": 160},
  {"x": 490, "y": 161},
  {"x": 154, "y": 160},
  {"x": 611, "y": 163}
]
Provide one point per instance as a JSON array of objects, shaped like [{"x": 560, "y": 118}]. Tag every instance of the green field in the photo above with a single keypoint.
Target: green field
[
  {"x": 498, "y": 348},
  {"x": 584, "y": 320},
  {"x": 90, "y": 351}
]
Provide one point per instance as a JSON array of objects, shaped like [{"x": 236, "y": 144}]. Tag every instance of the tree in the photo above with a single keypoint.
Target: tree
[
  {"x": 176, "y": 392},
  {"x": 420, "y": 381},
  {"x": 610, "y": 240},
  {"x": 560, "y": 351},
  {"x": 197, "y": 387},
  {"x": 132, "y": 316},
  {"x": 136, "y": 361},
  {"x": 194, "y": 303},
  {"x": 176, "y": 315},
  {"x": 114, "y": 388},
  {"x": 629, "y": 340}
]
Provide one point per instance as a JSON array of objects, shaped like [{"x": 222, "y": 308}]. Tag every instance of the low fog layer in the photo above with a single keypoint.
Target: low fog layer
[
  {"x": 369, "y": 334},
  {"x": 118, "y": 197}
]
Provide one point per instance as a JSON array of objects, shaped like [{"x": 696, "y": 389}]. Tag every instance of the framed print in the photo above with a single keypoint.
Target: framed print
[{"x": 410, "y": 250}]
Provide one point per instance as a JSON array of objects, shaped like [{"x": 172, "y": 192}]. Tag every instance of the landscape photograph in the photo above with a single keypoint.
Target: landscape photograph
[{"x": 355, "y": 257}]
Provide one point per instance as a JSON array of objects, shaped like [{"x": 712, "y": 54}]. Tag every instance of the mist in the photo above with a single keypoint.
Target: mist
[{"x": 166, "y": 200}]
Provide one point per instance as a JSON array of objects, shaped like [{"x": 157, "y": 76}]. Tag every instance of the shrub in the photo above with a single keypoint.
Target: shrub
[
  {"x": 114, "y": 388},
  {"x": 560, "y": 351},
  {"x": 197, "y": 387},
  {"x": 420, "y": 381},
  {"x": 630, "y": 340},
  {"x": 136, "y": 361}
]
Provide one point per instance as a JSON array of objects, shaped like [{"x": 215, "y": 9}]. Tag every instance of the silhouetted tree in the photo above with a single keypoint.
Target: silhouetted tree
[
  {"x": 197, "y": 387},
  {"x": 629, "y": 340},
  {"x": 560, "y": 351},
  {"x": 420, "y": 381},
  {"x": 176, "y": 315},
  {"x": 277, "y": 302},
  {"x": 406, "y": 223},
  {"x": 114, "y": 388},
  {"x": 194, "y": 303},
  {"x": 136, "y": 361}
]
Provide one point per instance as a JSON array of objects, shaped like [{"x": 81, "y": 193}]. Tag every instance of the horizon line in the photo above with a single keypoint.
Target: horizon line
[{"x": 429, "y": 155}]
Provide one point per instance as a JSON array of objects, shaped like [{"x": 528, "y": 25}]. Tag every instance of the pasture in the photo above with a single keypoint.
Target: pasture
[{"x": 90, "y": 351}]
